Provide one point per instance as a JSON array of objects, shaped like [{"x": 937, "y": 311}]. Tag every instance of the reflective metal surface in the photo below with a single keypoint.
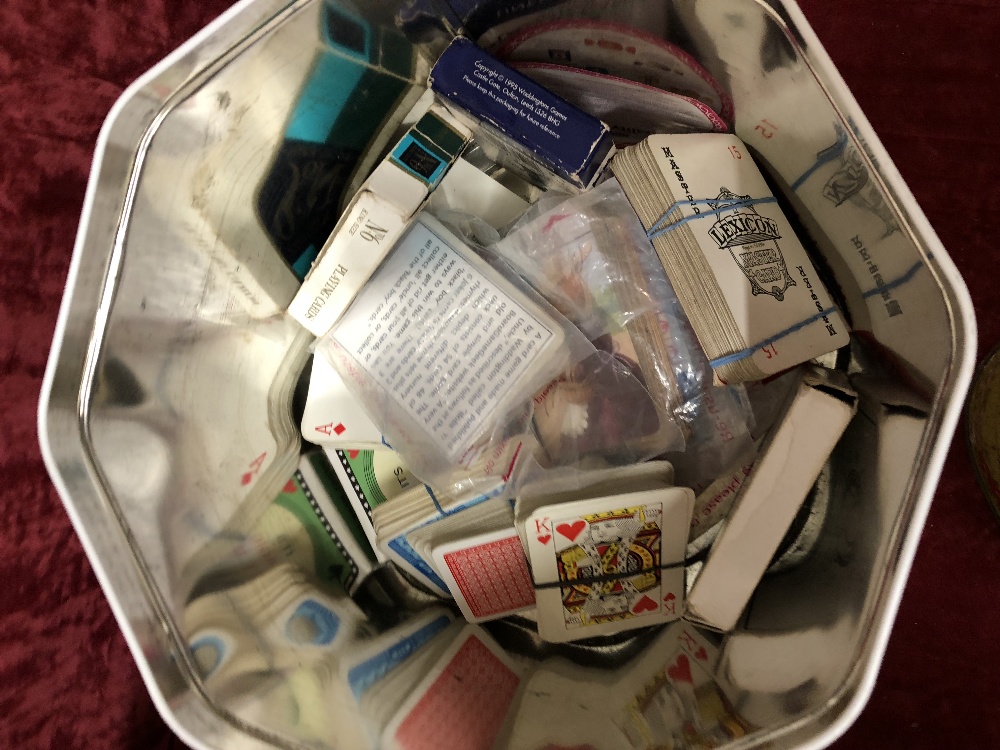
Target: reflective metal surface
[{"x": 166, "y": 414}]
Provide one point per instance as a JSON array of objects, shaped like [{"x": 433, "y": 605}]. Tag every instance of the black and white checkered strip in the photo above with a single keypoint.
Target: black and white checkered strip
[
  {"x": 354, "y": 483},
  {"x": 326, "y": 525}
]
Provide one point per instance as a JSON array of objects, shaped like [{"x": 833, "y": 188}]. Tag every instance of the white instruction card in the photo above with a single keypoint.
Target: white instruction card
[{"x": 446, "y": 337}]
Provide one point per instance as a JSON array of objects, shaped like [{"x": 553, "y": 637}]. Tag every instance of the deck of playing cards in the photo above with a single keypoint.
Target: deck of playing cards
[
  {"x": 382, "y": 672},
  {"x": 479, "y": 557},
  {"x": 609, "y": 563},
  {"x": 408, "y": 528},
  {"x": 754, "y": 298},
  {"x": 445, "y": 352},
  {"x": 369, "y": 479},
  {"x": 462, "y": 704}
]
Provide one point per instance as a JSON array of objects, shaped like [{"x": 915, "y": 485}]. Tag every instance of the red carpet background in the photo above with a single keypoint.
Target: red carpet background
[{"x": 926, "y": 73}]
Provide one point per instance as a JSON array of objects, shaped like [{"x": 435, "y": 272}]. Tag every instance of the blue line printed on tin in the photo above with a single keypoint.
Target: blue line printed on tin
[
  {"x": 826, "y": 157},
  {"x": 403, "y": 549},
  {"x": 312, "y": 624},
  {"x": 898, "y": 282},
  {"x": 660, "y": 228},
  {"x": 370, "y": 671}
]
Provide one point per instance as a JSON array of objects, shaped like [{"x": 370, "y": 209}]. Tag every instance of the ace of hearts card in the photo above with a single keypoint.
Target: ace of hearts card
[{"x": 609, "y": 564}]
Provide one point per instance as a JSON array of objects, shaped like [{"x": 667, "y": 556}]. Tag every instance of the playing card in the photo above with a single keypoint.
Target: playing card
[
  {"x": 374, "y": 660},
  {"x": 332, "y": 415},
  {"x": 462, "y": 704},
  {"x": 539, "y": 492},
  {"x": 487, "y": 574},
  {"x": 678, "y": 702},
  {"x": 609, "y": 564}
]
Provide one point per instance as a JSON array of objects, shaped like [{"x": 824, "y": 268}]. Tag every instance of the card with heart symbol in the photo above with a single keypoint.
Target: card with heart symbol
[
  {"x": 679, "y": 701},
  {"x": 609, "y": 564}
]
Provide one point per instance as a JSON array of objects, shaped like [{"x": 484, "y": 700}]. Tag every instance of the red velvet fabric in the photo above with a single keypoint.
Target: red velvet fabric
[{"x": 924, "y": 71}]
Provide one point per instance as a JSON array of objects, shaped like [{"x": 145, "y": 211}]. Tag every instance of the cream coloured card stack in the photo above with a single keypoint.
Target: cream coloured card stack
[{"x": 754, "y": 299}]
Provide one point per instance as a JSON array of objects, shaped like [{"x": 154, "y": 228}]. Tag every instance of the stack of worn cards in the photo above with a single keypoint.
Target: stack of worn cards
[
  {"x": 478, "y": 555},
  {"x": 370, "y": 478},
  {"x": 462, "y": 703},
  {"x": 391, "y": 503},
  {"x": 746, "y": 283},
  {"x": 400, "y": 525}
]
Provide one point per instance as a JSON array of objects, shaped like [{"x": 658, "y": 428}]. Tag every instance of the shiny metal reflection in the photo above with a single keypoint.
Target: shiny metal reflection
[{"x": 166, "y": 411}]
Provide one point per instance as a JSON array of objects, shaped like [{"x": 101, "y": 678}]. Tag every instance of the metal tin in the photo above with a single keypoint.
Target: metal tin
[{"x": 172, "y": 353}]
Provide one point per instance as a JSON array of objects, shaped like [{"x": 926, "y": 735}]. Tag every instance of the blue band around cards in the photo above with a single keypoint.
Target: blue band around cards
[
  {"x": 748, "y": 352},
  {"x": 660, "y": 228}
]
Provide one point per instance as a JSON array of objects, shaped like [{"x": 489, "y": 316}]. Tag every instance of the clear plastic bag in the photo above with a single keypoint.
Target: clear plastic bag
[
  {"x": 577, "y": 254},
  {"x": 585, "y": 255},
  {"x": 589, "y": 256},
  {"x": 720, "y": 448},
  {"x": 445, "y": 351}
]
